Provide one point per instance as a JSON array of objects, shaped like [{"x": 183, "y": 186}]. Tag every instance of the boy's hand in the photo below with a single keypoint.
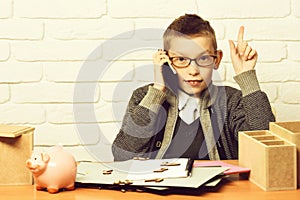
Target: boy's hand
[
  {"x": 159, "y": 58},
  {"x": 243, "y": 57}
]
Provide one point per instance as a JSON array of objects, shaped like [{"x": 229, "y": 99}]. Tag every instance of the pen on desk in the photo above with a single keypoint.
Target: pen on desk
[{"x": 189, "y": 167}]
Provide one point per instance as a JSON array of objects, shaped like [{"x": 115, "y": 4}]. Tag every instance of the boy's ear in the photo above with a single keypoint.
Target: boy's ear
[{"x": 218, "y": 59}]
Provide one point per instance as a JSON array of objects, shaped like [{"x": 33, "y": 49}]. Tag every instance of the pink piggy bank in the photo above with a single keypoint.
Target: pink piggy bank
[{"x": 53, "y": 170}]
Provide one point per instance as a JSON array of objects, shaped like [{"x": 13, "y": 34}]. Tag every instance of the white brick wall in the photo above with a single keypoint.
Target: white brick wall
[
  {"x": 4, "y": 51},
  {"x": 56, "y": 9},
  {"x": 4, "y": 91},
  {"x": 54, "y": 51},
  {"x": 90, "y": 29},
  {"x": 68, "y": 67},
  {"x": 234, "y": 9},
  {"x": 149, "y": 9},
  {"x": 5, "y": 8},
  {"x": 17, "y": 72},
  {"x": 23, "y": 29}
]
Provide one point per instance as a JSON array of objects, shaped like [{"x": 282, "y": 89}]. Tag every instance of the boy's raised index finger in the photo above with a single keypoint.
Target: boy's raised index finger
[{"x": 241, "y": 35}]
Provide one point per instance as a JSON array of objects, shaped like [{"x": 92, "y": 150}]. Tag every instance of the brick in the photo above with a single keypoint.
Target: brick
[
  {"x": 132, "y": 49},
  {"x": 293, "y": 51},
  {"x": 22, "y": 114},
  {"x": 15, "y": 72},
  {"x": 5, "y": 8},
  {"x": 270, "y": 51},
  {"x": 54, "y": 93},
  {"x": 118, "y": 71},
  {"x": 289, "y": 92},
  {"x": 67, "y": 71},
  {"x": 296, "y": 8},
  {"x": 62, "y": 114},
  {"x": 103, "y": 28},
  {"x": 287, "y": 112},
  {"x": 4, "y": 51},
  {"x": 4, "y": 91},
  {"x": 88, "y": 71},
  {"x": 118, "y": 91},
  {"x": 265, "y": 29},
  {"x": 219, "y": 9},
  {"x": 278, "y": 72},
  {"x": 55, "y": 9},
  {"x": 56, "y": 51},
  {"x": 158, "y": 9},
  {"x": 86, "y": 113},
  {"x": 21, "y": 29},
  {"x": 64, "y": 134}
]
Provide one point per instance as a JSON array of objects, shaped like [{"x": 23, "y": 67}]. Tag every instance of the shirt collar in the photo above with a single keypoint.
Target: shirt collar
[{"x": 183, "y": 98}]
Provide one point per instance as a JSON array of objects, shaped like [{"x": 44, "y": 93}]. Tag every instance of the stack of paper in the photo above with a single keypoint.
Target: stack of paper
[{"x": 149, "y": 173}]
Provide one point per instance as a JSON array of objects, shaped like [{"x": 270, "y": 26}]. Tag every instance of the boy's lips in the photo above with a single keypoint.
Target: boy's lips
[{"x": 193, "y": 82}]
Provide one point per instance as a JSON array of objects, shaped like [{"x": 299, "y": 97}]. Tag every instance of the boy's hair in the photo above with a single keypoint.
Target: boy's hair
[{"x": 189, "y": 25}]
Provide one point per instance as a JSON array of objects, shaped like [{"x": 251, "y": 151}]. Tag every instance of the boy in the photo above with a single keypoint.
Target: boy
[{"x": 183, "y": 114}]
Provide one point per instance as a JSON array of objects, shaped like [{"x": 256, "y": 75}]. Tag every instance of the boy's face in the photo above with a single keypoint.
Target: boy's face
[{"x": 194, "y": 79}]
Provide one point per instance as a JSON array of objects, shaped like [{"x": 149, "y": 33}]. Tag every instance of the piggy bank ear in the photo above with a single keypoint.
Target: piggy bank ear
[{"x": 45, "y": 157}]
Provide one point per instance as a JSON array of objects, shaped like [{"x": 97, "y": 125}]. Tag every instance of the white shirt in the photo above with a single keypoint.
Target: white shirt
[{"x": 188, "y": 107}]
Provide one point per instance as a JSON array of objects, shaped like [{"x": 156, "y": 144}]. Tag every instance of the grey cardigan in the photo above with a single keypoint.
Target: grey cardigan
[{"x": 150, "y": 119}]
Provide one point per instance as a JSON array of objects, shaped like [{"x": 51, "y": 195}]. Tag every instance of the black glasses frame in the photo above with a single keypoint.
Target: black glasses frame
[{"x": 190, "y": 60}]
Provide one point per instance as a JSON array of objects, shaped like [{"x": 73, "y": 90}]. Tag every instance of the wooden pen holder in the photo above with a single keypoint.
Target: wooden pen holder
[
  {"x": 16, "y": 144},
  {"x": 272, "y": 160},
  {"x": 289, "y": 131}
]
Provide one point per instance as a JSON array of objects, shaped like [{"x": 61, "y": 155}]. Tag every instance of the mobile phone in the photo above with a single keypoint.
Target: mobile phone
[
  {"x": 171, "y": 67},
  {"x": 170, "y": 77}
]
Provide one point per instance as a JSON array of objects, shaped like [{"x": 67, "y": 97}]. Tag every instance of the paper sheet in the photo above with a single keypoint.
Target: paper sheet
[{"x": 233, "y": 169}]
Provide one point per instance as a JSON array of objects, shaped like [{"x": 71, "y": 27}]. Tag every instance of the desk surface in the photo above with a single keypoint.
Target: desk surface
[{"x": 231, "y": 188}]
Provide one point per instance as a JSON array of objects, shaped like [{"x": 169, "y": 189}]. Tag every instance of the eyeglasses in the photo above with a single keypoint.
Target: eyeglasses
[{"x": 201, "y": 61}]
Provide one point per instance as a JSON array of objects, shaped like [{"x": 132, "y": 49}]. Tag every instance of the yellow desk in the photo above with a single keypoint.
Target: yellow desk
[{"x": 231, "y": 188}]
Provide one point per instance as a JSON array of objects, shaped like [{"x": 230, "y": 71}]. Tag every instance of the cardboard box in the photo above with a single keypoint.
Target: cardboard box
[
  {"x": 272, "y": 160},
  {"x": 289, "y": 131},
  {"x": 16, "y": 144}
]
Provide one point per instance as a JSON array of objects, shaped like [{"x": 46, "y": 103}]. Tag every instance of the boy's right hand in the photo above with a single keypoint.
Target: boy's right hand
[
  {"x": 243, "y": 57},
  {"x": 159, "y": 58}
]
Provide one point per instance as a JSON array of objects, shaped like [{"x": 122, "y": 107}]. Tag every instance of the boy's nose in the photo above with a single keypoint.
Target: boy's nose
[{"x": 193, "y": 68}]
